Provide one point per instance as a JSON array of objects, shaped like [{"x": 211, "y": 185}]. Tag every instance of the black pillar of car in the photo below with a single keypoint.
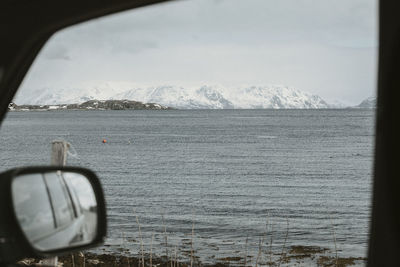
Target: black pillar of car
[
  {"x": 25, "y": 25},
  {"x": 384, "y": 243},
  {"x": 11, "y": 245}
]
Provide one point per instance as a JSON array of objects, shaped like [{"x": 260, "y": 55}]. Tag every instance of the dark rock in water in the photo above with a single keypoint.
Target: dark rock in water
[{"x": 118, "y": 105}]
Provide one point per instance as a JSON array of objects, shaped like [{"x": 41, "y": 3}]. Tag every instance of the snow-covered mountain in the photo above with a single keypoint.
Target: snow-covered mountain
[{"x": 204, "y": 97}]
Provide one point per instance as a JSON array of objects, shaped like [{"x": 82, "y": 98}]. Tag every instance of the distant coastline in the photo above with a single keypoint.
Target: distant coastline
[
  {"x": 92, "y": 105},
  {"x": 124, "y": 104}
]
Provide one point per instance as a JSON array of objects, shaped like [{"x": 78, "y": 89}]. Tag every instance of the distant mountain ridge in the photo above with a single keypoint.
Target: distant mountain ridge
[
  {"x": 203, "y": 97},
  {"x": 370, "y": 102}
]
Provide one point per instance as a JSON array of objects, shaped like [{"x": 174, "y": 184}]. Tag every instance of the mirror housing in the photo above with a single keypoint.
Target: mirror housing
[{"x": 44, "y": 213}]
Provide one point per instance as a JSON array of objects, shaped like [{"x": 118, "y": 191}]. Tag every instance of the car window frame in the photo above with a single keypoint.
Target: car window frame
[{"x": 30, "y": 36}]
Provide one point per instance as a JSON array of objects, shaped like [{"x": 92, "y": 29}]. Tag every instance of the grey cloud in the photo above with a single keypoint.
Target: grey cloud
[
  {"x": 327, "y": 47},
  {"x": 131, "y": 46},
  {"x": 56, "y": 52},
  {"x": 239, "y": 21}
]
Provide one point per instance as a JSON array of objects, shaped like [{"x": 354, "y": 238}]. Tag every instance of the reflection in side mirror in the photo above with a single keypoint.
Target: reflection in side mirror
[{"x": 55, "y": 209}]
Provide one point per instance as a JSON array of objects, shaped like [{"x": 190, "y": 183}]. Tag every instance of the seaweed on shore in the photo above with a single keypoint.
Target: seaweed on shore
[
  {"x": 289, "y": 256},
  {"x": 312, "y": 255}
]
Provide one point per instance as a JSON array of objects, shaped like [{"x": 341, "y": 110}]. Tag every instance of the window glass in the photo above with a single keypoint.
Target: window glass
[
  {"x": 81, "y": 189},
  {"x": 72, "y": 193},
  {"x": 32, "y": 206},
  {"x": 60, "y": 199}
]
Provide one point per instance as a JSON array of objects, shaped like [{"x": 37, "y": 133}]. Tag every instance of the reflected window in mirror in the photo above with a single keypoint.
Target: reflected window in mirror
[{"x": 32, "y": 205}]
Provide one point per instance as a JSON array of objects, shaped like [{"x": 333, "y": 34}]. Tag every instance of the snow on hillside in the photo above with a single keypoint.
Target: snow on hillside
[
  {"x": 203, "y": 97},
  {"x": 370, "y": 102}
]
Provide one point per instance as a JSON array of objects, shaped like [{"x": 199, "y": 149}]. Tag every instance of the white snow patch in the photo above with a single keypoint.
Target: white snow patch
[{"x": 206, "y": 96}]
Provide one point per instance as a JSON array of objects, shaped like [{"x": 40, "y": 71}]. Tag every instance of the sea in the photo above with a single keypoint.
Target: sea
[{"x": 218, "y": 183}]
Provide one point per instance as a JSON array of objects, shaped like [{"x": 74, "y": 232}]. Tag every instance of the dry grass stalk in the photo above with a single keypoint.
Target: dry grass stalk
[
  {"x": 73, "y": 260},
  {"x": 270, "y": 247},
  {"x": 124, "y": 246},
  {"x": 191, "y": 243},
  {"x": 334, "y": 240},
  {"x": 284, "y": 243},
  {"x": 259, "y": 251},
  {"x": 83, "y": 256},
  {"x": 264, "y": 237},
  {"x": 171, "y": 261},
  {"x": 151, "y": 250},
  {"x": 141, "y": 240},
  {"x": 165, "y": 236},
  {"x": 245, "y": 249},
  {"x": 176, "y": 258}
]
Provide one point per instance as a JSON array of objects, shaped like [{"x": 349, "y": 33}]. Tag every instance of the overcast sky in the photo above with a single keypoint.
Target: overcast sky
[{"x": 325, "y": 47}]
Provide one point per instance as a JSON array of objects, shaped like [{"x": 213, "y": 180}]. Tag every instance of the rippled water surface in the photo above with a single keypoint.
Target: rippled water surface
[{"x": 228, "y": 173}]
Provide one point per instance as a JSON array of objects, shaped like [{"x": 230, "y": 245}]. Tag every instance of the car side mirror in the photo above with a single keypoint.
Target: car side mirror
[{"x": 50, "y": 211}]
